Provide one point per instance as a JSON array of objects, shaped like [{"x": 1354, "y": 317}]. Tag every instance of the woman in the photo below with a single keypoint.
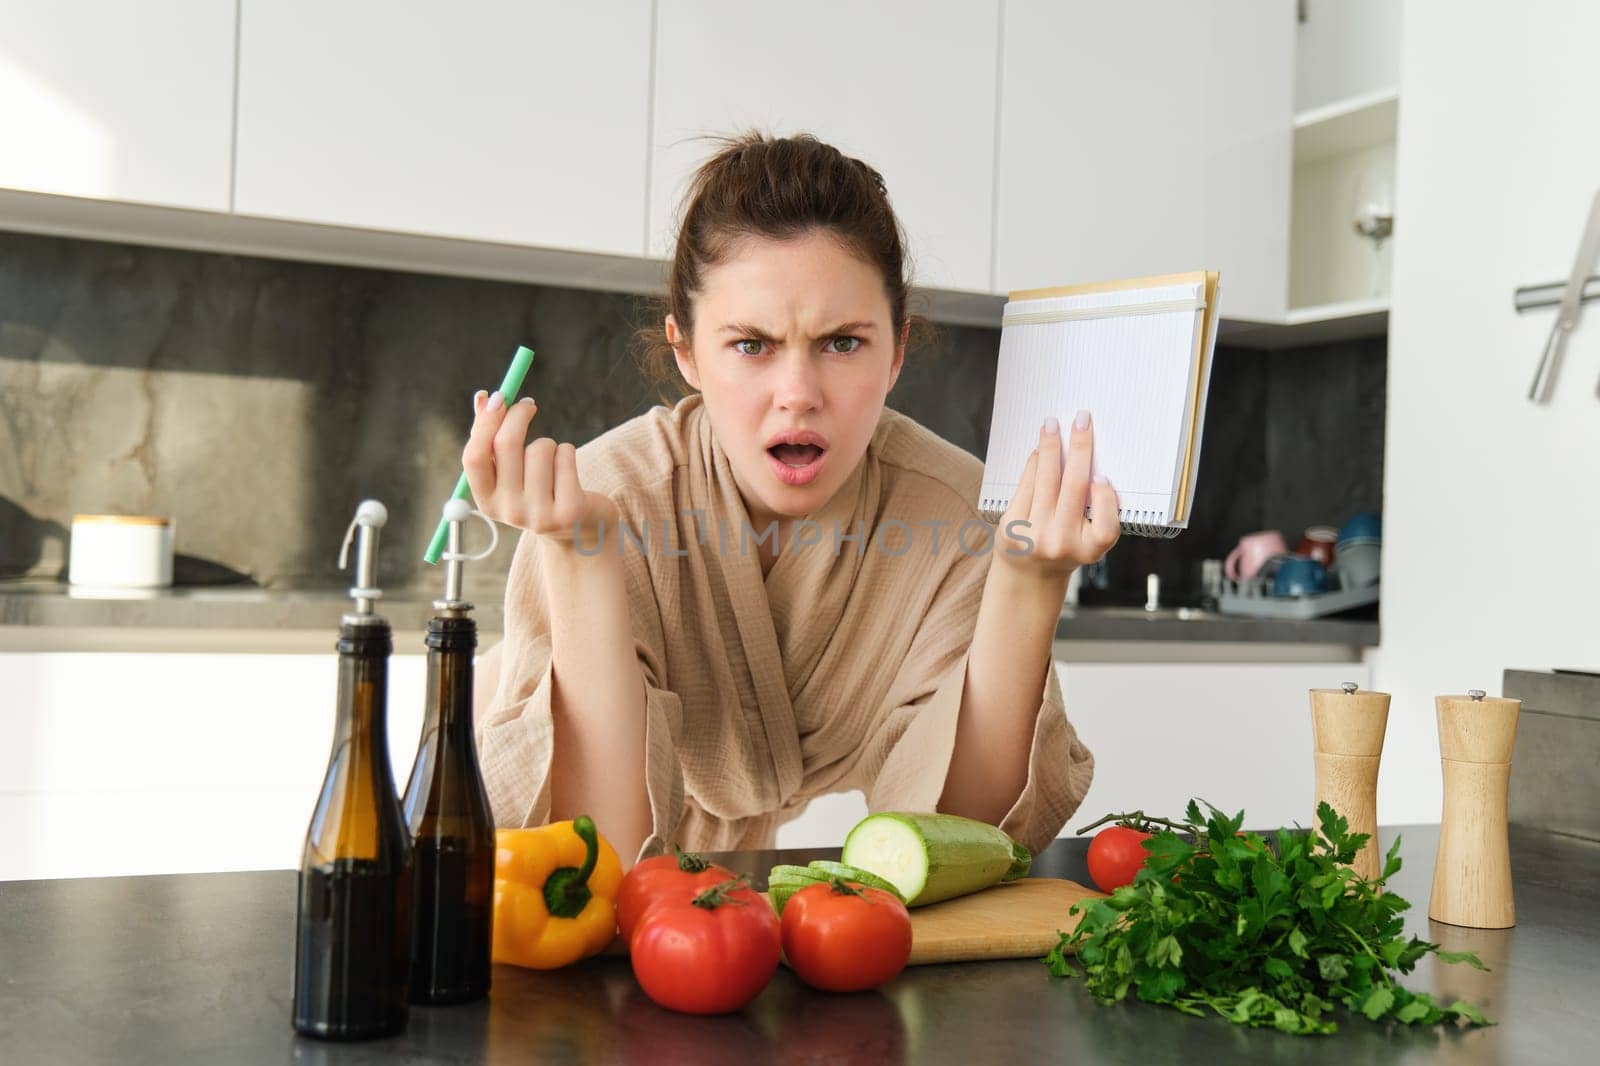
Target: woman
[{"x": 799, "y": 599}]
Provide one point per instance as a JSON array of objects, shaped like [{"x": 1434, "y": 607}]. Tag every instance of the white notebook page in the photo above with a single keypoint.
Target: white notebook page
[{"x": 1133, "y": 372}]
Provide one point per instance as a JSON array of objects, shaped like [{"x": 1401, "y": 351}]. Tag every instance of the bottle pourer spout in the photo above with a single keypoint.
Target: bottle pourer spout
[
  {"x": 456, "y": 513},
  {"x": 371, "y": 516}
]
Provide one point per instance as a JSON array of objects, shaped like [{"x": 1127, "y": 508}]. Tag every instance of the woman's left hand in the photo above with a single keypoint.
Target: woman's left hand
[{"x": 1052, "y": 536}]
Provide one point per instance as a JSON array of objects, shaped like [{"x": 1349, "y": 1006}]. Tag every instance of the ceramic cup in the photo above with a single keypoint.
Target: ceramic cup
[
  {"x": 1357, "y": 562},
  {"x": 1299, "y": 576},
  {"x": 1365, "y": 526},
  {"x": 1318, "y": 544},
  {"x": 1252, "y": 550}
]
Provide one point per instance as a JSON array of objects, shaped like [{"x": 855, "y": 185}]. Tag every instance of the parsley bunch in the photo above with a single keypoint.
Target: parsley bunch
[{"x": 1263, "y": 933}]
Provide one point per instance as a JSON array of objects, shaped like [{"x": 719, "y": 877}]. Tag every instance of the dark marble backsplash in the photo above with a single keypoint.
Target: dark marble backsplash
[{"x": 257, "y": 401}]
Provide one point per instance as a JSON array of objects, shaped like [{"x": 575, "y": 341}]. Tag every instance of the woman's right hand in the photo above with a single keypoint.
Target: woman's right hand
[{"x": 533, "y": 487}]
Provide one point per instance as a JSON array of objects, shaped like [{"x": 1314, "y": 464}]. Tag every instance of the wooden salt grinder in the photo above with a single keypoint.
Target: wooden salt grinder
[
  {"x": 1472, "y": 872},
  {"x": 1348, "y": 726}
]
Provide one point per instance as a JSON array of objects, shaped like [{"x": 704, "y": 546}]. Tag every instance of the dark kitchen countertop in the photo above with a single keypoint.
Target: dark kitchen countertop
[
  {"x": 242, "y": 607},
  {"x": 196, "y": 968}
]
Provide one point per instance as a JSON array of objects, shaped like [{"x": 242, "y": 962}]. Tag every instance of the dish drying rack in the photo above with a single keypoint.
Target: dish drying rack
[{"x": 1247, "y": 598}]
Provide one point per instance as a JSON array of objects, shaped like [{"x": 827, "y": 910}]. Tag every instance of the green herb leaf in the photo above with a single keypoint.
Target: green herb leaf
[
  {"x": 1460, "y": 956},
  {"x": 1159, "y": 985},
  {"x": 1414, "y": 1011},
  {"x": 1466, "y": 1010},
  {"x": 1378, "y": 1002},
  {"x": 1391, "y": 861},
  {"x": 1333, "y": 967}
]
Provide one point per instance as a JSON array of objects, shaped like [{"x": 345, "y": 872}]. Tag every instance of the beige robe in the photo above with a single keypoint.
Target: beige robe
[{"x": 838, "y": 671}]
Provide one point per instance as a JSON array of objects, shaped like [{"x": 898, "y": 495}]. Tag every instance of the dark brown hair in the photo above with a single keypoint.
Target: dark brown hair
[{"x": 779, "y": 188}]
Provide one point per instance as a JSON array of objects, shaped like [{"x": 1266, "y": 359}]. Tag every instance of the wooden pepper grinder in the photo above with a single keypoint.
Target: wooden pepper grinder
[
  {"x": 1348, "y": 726},
  {"x": 1472, "y": 872}
]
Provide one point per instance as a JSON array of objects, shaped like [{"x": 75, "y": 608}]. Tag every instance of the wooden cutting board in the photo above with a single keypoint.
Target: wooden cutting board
[{"x": 1013, "y": 921}]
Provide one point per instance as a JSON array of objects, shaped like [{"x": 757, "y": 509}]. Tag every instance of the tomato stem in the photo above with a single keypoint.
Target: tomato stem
[
  {"x": 717, "y": 895},
  {"x": 689, "y": 862},
  {"x": 842, "y": 888},
  {"x": 1138, "y": 820}
]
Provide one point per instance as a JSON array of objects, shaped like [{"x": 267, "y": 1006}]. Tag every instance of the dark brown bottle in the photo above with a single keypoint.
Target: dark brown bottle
[
  {"x": 447, "y": 811},
  {"x": 353, "y": 924}
]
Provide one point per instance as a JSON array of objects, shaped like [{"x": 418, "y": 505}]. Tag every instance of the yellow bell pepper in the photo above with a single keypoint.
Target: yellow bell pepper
[{"x": 555, "y": 892}]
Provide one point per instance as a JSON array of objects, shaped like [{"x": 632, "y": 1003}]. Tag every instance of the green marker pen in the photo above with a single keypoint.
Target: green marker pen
[{"x": 508, "y": 389}]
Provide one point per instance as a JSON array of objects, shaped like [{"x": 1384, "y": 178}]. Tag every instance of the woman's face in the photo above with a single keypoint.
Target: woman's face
[{"x": 794, "y": 354}]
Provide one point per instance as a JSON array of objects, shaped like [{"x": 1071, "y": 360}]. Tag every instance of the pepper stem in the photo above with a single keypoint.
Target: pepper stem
[{"x": 566, "y": 890}]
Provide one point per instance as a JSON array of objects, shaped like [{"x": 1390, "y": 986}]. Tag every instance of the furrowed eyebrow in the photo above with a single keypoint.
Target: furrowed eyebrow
[
  {"x": 744, "y": 329},
  {"x": 851, "y": 327}
]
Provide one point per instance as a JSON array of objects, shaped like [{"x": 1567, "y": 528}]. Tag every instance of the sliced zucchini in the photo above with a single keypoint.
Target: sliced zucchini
[
  {"x": 861, "y": 877},
  {"x": 933, "y": 857},
  {"x": 804, "y": 875},
  {"x": 783, "y": 891}
]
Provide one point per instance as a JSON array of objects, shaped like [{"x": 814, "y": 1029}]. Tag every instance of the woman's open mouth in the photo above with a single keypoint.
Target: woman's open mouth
[{"x": 796, "y": 459}]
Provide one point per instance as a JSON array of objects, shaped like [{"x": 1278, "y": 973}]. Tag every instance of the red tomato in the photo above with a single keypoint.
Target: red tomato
[
  {"x": 1115, "y": 855},
  {"x": 844, "y": 937},
  {"x": 708, "y": 954},
  {"x": 681, "y": 874}
]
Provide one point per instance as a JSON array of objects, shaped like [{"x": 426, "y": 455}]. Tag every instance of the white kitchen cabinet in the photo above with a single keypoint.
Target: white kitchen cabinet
[
  {"x": 1237, "y": 735},
  {"x": 907, "y": 88},
  {"x": 127, "y": 102},
  {"x": 1344, "y": 50},
  {"x": 1147, "y": 137},
  {"x": 493, "y": 120},
  {"x": 117, "y": 763}
]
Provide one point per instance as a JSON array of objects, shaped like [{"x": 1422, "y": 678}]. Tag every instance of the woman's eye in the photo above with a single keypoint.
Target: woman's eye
[
  {"x": 754, "y": 347},
  {"x": 844, "y": 345}
]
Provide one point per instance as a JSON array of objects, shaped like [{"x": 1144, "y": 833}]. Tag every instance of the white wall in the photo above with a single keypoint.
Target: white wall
[{"x": 1491, "y": 503}]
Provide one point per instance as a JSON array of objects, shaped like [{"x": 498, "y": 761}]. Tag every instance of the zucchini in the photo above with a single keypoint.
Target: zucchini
[
  {"x": 781, "y": 892},
  {"x": 801, "y": 875},
  {"x": 860, "y": 877},
  {"x": 933, "y": 857}
]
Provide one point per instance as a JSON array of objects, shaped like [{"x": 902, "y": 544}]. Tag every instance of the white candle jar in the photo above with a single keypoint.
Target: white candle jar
[{"x": 120, "y": 551}]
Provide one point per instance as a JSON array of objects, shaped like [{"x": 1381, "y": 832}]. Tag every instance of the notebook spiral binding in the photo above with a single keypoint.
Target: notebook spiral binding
[
  {"x": 1151, "y": 529},
  {"x": 1135, "y": 523}
]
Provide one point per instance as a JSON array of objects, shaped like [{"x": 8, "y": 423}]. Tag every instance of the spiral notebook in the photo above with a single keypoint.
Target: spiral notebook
[{"x": 1137, "y": 355}]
